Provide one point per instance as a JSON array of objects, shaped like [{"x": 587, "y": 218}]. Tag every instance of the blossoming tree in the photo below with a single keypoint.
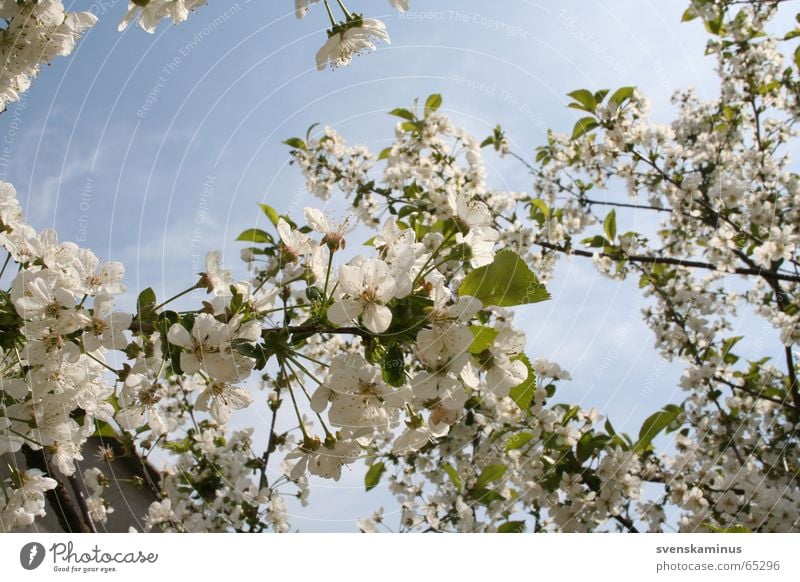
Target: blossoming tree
[{"x": 403, "y": 353}]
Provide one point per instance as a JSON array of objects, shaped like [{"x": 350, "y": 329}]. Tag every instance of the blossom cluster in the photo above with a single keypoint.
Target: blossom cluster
[
  {"x": 347, "y": 38},
  {"x": 720, "y": 177},
  {"x": 33, "y": 34},
  {"x": 491, "y": 449},
  {"x": 149, "y": 13}
]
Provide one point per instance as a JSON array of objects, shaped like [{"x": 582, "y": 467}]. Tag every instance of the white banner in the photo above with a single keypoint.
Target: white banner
[{"x": 352, "y": 558}]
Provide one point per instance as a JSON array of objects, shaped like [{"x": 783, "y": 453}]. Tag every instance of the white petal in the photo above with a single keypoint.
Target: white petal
[
  {"x": 324, "y": 55},
  {"x": 219, "y": 410},
  {"x": 351, "y": 279},
  {"x": 377, "y": 318},
  {"x": 320, "y": 398},
  {"x": 316, "y": 220},
  {"x": 179, "y": 336},
  {"x": 344, "y": 311}
]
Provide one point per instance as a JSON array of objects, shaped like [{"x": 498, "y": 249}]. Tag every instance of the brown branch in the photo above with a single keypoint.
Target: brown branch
[
  {"x": 78, "y": 491},
  {"x": 623, "y": 205},
  {"x": 68, "y": 517},
  {"x": 264, "y": 481},
  {"x": 627, "y": 523},
  {"x": 783, "y": 304},
  {"x": 769, "y": 275},
  {"x": 318, "y": 328}
]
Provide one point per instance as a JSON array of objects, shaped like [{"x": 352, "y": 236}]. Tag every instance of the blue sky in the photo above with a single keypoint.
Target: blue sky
[{"x": 154, "y": 149}]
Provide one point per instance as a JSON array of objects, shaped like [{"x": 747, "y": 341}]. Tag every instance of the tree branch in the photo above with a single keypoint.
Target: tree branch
[
  {"x": 627, "y": 523},
  {"x": 769, "y": 275},
  {"x": 78, "y": 491},
  {"x": 318, "y": 328},
  {"x": 264, "y": 482},
  {"x": 68, "y": 517}
]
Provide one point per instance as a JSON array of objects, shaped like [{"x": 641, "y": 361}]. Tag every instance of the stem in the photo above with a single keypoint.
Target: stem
[
  {"x": 303, "y": 388},
  {"x": 433, "y": 256},
  {"x": 294, "y": 404},
  {"x": 330, "y": 13},
  {"x": 328, "y": 274},
  {"x": 27, "y": 438},
  {"x": 344, "y": 9},
  {"x": 310, "y": 359},
  {"x": 305, "y": 371},
  {"x": 5, "y": 264},
  {"x": 444, "y": 262},
  {"x": 174, "y": 297},
  {"x": 15, "y": 419},
  {"x": 267, "y": 277},
  {"x": 102, "y": 363}
]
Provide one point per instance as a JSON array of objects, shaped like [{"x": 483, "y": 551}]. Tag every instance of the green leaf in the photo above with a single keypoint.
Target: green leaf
[
  {"x": 542, "y": 206},
  {"x": 255, "y": 235},
  {"x": 404, "y": 114},
  {"x": 146, "y": 301},
  {"x": 588, "y": 444},
  {"x": 727, "y": 345},
  {"x": 518, "y": 441},
  {"x": 384, "y": 155},
  {"x": 600, "y": 95},
  {"x": 610, "y": 225},
  {"x": 523, "y": 394},
  {"x": 485, "y": 496},
  {"x": 105, "y": 430},
  {"x": 655, "y": 424},
  {"x": 508, "y": 281},
  {"x": 584, "y": 125},
  {"x": 596, "y": 242},
  {"x": 482, "y": 338},
  {"x": 433, "y": 103},
  {"x": 621, "y": 95},
  {"x": 373, "y": 476},
  {"x": 296, "y": 143},
  {"x": 729, "y": 113},
  {"x": 797, "y": 56},
  {"x": 489, "y": 475},
  {"x": 584, "y": 98},
  {"x": 453, "y": 474},
  {"x": 512, "y": 527},
  {"x": 393, "y": 366},
  {"x": 715, "y": 26},
  {"x": 271, "y": 213},
  {"x": 689, "y": 14}
]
